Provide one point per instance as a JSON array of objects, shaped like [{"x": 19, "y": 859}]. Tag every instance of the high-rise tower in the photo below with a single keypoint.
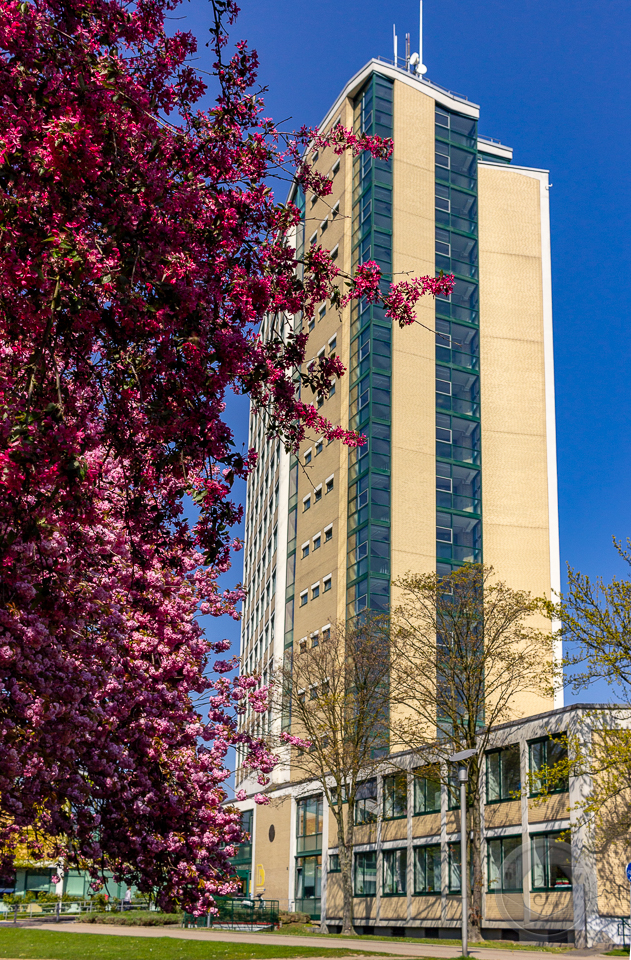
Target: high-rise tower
[{"x": 460, "y": 463}]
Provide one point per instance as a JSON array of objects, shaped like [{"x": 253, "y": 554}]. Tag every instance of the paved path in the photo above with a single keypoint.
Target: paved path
[{"x": 395, "y": 949}]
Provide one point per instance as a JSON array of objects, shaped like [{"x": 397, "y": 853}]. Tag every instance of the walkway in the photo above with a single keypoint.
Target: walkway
[{"x": 395, "y": 949}]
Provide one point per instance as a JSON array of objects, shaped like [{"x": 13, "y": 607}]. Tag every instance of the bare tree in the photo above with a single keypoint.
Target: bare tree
[
  {"x": 463, "y": 647},
  {"x": 335, "y": 695}
]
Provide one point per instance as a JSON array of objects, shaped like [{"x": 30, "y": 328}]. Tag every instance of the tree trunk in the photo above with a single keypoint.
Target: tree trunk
[
  {"x": 475, "y": 900},
  {"x": 345, "y": 846}
]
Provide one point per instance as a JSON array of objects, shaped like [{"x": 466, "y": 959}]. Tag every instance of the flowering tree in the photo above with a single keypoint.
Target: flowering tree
[{"x": 140, "y": 247}]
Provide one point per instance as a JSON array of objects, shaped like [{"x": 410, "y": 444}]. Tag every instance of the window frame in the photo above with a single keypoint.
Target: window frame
[
  {"x": 425, "y": 848},
  {"x": 397, "y": 872},
  {"x": 362, "y": 856},
  {"x": 564, "y": 787},
  {"x": 500, "y": 751},
  {"x": 416, "y": 812},
  {"x": 547, "y": 835},
  {"x": 501, "y": 840},
  {"x": 385, "y": 780}
]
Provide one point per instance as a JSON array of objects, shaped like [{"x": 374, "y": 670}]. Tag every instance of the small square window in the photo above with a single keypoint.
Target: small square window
[
  {"x": 320, "y": 401},
  {"x": 314, "y": 197},
  {"x": 335, "y": 210},
  {"x": 328, "y": 534},
  {"x": 303, "y": 645},
  {"x": 316, "y": 542},
  {"x": 322, "y": 312},
  {"x": 332, "y": 389},
  {"x": 308, "y": 456},
  {"x": 329, "y": 484},
  {"x": 313, "y": 692},
  {"x": 332, "y": 344},
  {"x": 318, "y": 447},
  {"x": 315, "y": 591},
  {"x": 324, "y": 224},
  {"x": 305, "y": 551},
  {"x": 311, "y": 325},
  {"x": 336, "y": 169},
  {"x": 304, "y": 597},
  {"x": 318, "y": 493},
  {"x": 314, "y": 639},
  {"x": 313, "y": 238},
  {"x": 326, "y": 633},
  {"x": 335, "y": 251},
  {"x": 327, "y": 584},
  {"x": 302, "y": 696},
  {"x": 306, "y": 504}
]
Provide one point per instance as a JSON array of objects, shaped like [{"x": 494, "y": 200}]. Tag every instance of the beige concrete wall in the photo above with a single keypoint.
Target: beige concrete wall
[
  {"x": 427, "y": 825},
  {"x": 365, "y": 833},
  {"x": 512, "y": 387},
  {"x": 557, "y": 906},
  {"x": 413, "y": 393},
  {"x": 272, "y": 857},
  {"x": 334, "y": 895},
  {"x": 502, "y": 814},
  {"x": 425, "y": 908},
  {"x": 393, "y": 908},
  {"x": 394, "y": 830},
  {"x": 453, "y": 908},
  {"x": 556, "y": 807},
  {"x": 507, "y": 906}
]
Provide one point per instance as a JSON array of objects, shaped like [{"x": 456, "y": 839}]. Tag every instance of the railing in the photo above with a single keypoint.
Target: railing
[
  {"x": 38, "y": 910},
  {"x": 238, "y": 912},
  {"x": 430, "y": 83}
]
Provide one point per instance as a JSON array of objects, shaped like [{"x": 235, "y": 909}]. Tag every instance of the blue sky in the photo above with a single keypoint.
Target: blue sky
[{"x": 553, "y": 81}]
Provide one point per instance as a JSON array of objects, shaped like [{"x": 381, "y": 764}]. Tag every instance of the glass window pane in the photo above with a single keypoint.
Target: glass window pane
[
  {"x": 511, "y": 864},
  {"x": 539, "y": 863},
  {"x": 495, "y": 864},
  {"x": 454, "y": 867},
  {"x": 559, "y": 858},
  {"x": 511, "y": 772},
  {"x": 493, "y": 777}
]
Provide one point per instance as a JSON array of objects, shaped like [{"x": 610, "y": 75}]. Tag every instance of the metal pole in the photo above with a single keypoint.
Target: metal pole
[{"x": 464, "y": 874}]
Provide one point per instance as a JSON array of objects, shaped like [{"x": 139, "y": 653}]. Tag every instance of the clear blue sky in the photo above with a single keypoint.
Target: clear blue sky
[{"x": 553, "y": 80}]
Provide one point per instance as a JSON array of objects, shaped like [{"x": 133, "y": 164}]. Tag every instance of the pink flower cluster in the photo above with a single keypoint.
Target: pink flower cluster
[{"x": 140, "y": 250}]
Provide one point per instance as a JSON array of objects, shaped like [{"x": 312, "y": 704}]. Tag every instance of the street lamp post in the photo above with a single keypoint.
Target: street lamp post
[{"x": 463, "y": 776}]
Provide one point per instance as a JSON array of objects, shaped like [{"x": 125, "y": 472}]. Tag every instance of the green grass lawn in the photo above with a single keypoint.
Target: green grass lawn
[
  {"x": 50, "y": 945},
  {"x": 304, "y": 929}
]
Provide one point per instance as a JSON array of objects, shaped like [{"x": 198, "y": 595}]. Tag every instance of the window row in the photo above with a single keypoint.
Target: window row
[
  {"x": 550, "y": 860},
  {"x": 316, "y": 541},
  {"x": 315, "y": 590},
  {"x": 314, "y": 639},
  {"x": 327, "y": 487}
]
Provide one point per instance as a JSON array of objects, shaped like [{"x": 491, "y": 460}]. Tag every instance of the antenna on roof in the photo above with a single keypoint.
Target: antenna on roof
[
  {"x": 421, "y": 68},
  {"x": 395, "y": 41}
]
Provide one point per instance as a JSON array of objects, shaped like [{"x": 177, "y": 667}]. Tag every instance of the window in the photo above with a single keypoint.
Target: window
[
  {"x": 332, "y": 389},
  {"x": 395, "y": 796},
  {"x": 311, "y": 325},
  {"x": 328, "y": 533},
  {"x": 335, "y": 251},
  {"x": 318, "y": 447},
  {"x": 313, "y": 238},
  {"x": 544, "y": 755},
  {"x": 503, "y": 774},
  {"x": 454, "y": 868},
  {"x": 334, "y": 863},
  {"x": 313, "y": 691},
  {"x": 326, "y": 583},
  {"x": 314, "y": 639},
  {"x": 305, "y": 550},
  {"x": 309, "y": 824},
  {"x": 426, "y": 791},
  {"x": 328, "y": 483},
  {"x": 303, "y": 645},
  {"x": 308, "y": 456},
  {"x": 317, "y": 541},
  {"x": 302, "y": 695},
  {"x": 366, "y": 874},
  {"x": 332, "y": 344},
  {"x": 306, "y": 503},
  {"x": 314, "y": 197},
  {"x": 504, "y": 864},
  {"x": 365, "y": 800},
  {"x": 395, "y": 868},
  {"x": 322, "y": 312},
  {"x": 326, "y": 633},
  {"x": 315, "y": 591},
  {"x": 304, "y": 596},
  {"x": 318, "y": 493},
  {"x": 335, "y": 169},
  {"x": 320, "y": 401},
  {"x": 324, "y": 224},
  {"x": 551, "y": 862},
  {"x": 427, "y": 870}
]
